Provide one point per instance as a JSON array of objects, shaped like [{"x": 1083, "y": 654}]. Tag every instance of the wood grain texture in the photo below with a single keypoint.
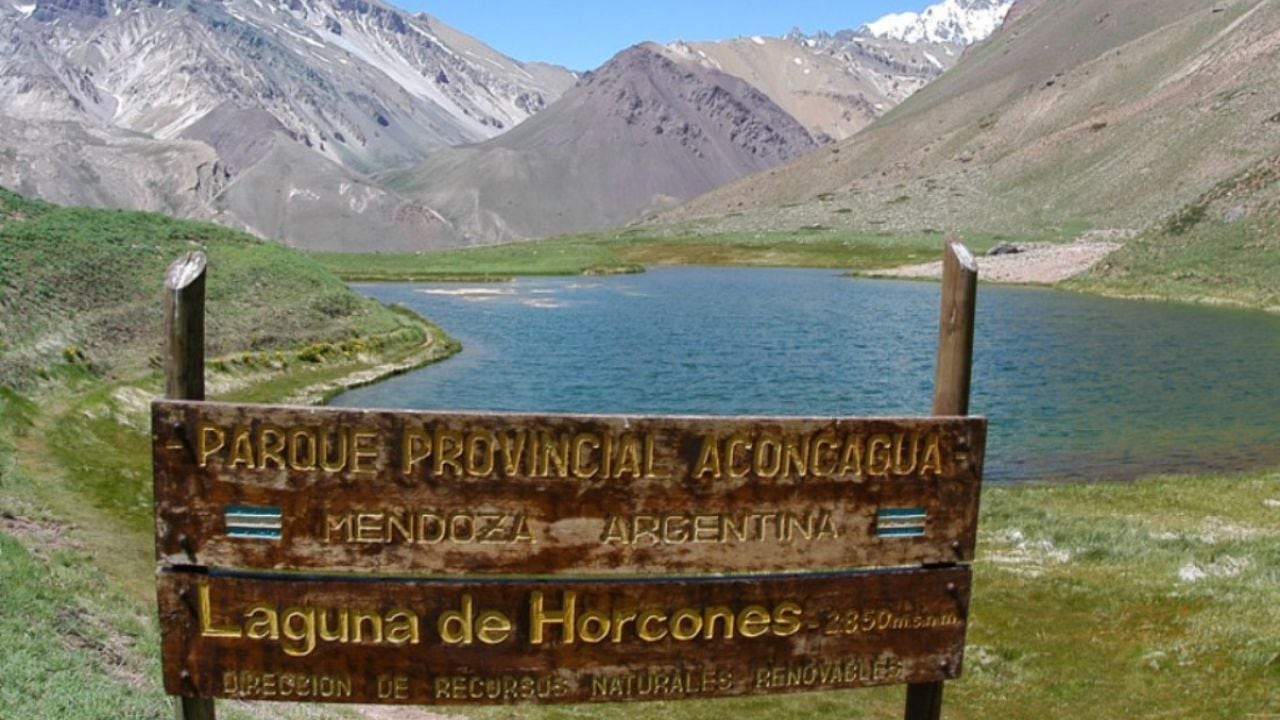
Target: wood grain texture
[
  {"x": 769, "y": 635},
  {"x": 184, "y": 327},
  {"x": 955, "y": 330},
  {"x": 665, "y": 518},
  {"x": 184, "y": 283},
  {"x": 950, "y": 397}
]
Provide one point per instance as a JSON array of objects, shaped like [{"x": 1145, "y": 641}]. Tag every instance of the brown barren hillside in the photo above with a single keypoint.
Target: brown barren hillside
[
  {"x": 1073, "y": 115},
  {"x": 834, "y": 86},
  {"x": 642, "y": 132}
]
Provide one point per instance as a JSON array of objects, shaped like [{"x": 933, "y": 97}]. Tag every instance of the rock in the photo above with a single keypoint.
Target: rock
[
  {"x": 1235, "y": 214},
  {"x": 1004, "y": 249}
]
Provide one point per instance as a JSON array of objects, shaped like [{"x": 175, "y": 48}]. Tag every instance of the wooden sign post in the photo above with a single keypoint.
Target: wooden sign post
[
  {"x": 184, "y": 380},
  {"x": 950, "y": 396},
  {"x": 331, "y": 555}
]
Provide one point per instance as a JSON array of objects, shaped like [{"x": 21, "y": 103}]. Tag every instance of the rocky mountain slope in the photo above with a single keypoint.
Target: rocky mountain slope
[
  {"x": 833, "y": 84},
  {"x": 275, "y": 116},
  {"x": 659, "y": 124},
  {"x": 642, "y": 132},
  {"x": 1073, "y": 116},
  {"x": 218, "y": 90},
  {"x": 959, "y": 22},
  {"x": 836, "y": 84}
]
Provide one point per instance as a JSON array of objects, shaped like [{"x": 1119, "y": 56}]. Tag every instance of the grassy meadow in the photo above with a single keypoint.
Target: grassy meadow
[
  {"x": 1148, "y": 599},
  {"x": 634, "y": 249}
]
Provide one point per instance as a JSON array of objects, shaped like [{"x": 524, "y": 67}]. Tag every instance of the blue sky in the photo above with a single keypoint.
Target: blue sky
[{"x": 582, "y": 35}]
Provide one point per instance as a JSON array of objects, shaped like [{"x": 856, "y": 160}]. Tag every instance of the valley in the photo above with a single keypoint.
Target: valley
[{"x": 1127, "y": 547}]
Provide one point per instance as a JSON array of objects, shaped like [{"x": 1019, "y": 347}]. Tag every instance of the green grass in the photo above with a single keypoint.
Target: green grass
[
  {"x": 1198, "y": 254},
  {"x": 1148, "y": 599},
  {"x": 1153, "y": 599},
  {"x": 84, "y": 285},
  {"x": 632, "y": 250},
  {"x": 80, "y": 317},
  {"x": 1081, "y": 609},
  {"x": 1216, "y": 262}
]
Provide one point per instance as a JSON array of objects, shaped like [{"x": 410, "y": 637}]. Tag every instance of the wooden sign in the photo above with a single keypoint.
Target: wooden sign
[
  {"x": 430, "y": 493},
  {"x": 326, "y": 555},
  {"x": 468, "y": 642}
]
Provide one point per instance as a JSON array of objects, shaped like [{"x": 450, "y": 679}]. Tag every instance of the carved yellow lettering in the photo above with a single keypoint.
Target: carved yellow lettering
[
  {"x": 207, "y": 628},
  {"x": 628, "y": 462},
  {"x": 593, "y": 626},
  {"x": 262, "y": 622},
  {"x": 649, "y": 443},
  {"x": 298, "y": 626},
  {"x": 753, "y": 621},
  {"x": 643, "y": 622},
  {"x": 449, "y": 448},
  {"x": 795, "y": 456},
  {"x": 402, "y": 627},
  {"x": 879, "y": 454},
  {"x": 358, "y": 620},
  {"x": 686, "y": 624},
  {"x": 341, "y": 632},
  {"x": 851, "y": 457},
  {"x": 211, "y": 439},
  {"x": 302, "y": 449},
  {"x": 482, "y": 452},
  {"x": 523, "y": 533},
  {"x": 493, "y": 627},
  {"x": 555, "y": 451},
  {"x": 241, "y": 448},
  {"x": 339, "y": 525},
  {"x": 455, "y": 626},
  {"x": 907, "y": 465},
  {"x": 583, "y": 445},
  {"x": 271, "y": 445},
  {"x": 768, "y": 456},
  {"x": 726, "y": 618},
  {"x": 514, "y": 450},
  {"x": 540, "y": 619},
  {"x": 364, "y": 451},
  {"x": 708, "y": 459},
  {"x": 787, "y": 619},
  {"x": 370, "y": 527},
  {"x": 932, "y": 460},
  {"x": 333, "y": 450},
  {"x": 415, "y": 446},
  {"x": 645, "y": 526},
  {"x": 619, "y": 621},
  {"x": 614, "y": 530},
  {"x": 823, "y": 446},
  {"x": 731, "y": 446}
]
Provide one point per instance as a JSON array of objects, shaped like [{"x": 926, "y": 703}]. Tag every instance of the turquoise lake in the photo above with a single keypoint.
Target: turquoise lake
[{"x": 1074, "y": 386}]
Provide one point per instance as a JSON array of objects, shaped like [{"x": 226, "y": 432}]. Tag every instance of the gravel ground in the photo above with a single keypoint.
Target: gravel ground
[{"x": 1042, "y": 263}]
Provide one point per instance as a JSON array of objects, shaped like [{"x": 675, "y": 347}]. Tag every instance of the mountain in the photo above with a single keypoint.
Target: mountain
[
  {"x": 283, "y": 117},
  {"x": 961, "y": 22},
  {"x": 643, "y": 131},
  {"x": 837, "y": 83},
  {"x": 168, "y": 105},
  {"x": 833, "y": 85},
  {"x": 1080, "y": 115},
  {"x": 648, "y": 129}
]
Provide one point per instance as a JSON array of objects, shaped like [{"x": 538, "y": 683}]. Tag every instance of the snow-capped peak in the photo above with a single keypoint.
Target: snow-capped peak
[{"x": 962, "y": 22}]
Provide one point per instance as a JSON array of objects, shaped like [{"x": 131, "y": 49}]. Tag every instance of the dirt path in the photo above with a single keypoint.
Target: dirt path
[{"x": 1040, "y": 263}]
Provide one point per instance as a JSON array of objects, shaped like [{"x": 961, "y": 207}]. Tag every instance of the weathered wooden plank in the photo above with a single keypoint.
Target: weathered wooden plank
[
  {"x": 184, "y": 327},
  {"x": 469, "y": 642},
  {"x": 955, "y": 330},
  {"x": 432, "y": 493},
  {"x": 950, "y": 397},
  {"x": 184, "y": 378}
]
